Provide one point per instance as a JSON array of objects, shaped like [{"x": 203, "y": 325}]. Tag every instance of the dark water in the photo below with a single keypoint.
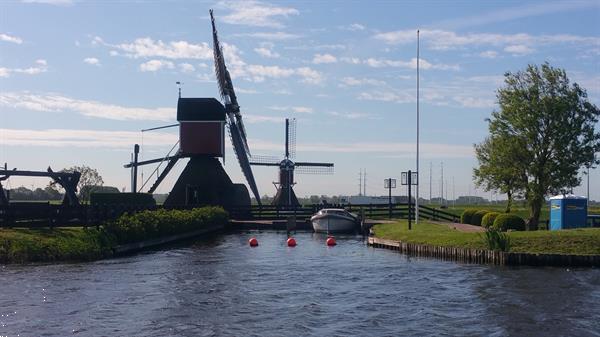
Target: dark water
[{"x": 222, "y": 287}]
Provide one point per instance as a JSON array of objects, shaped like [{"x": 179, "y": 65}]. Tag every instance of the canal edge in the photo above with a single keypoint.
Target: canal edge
[{"x": 484, "y": 256}]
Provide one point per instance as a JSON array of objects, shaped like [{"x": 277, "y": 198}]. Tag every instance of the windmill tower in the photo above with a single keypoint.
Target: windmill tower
[
  {"x": 201, "y": 124},
  {"x": 285, "y": 195}
]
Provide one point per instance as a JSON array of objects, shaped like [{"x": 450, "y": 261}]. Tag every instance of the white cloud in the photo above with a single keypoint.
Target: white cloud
[
  {"x": 324, "y": 58},
  {"x": 49, "y": 2},
  {"x": 41, "y": 66},
  {"x": 186, "y": 68},
  {"x": 444, "y": 40},
  {"x": 296, "y": 109},
  {"x": 317, "y": 47},
  {"x": 255, "y": 13},
  {"x": 388, "y": 96},
  {"x": 352, "y": 81},
  {"x": 123, "y": 140},
  {"x": 349, "y": 115},
  {"x": 412, "y": 64},
  {"x": 254, "y": 119},
  {"x": 59, "y": 103},
  {"x": 275, "y": 36},
  {"x": 92, "y": 60},
  {"x": 10, "y": 38},
  {"x": 518, "y": 50},
  {"x": 353, "y": 27},
  {"x": 156, "y": 65},
  {"x": 350, "y": 60},
  {"x": 265, "y": 52},
  {"x": 83, "y": 138},
  {"x": 490, "y": 54},
  {"x": 148, "y": 48}
]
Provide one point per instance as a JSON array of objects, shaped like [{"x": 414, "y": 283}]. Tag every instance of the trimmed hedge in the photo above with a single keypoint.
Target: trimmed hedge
[
  {"x": 488, "y": 220},
  {"x": 153, "y": 224},
  {"x": 505, "y": 222},
  {"x": 477, "y": 217},
  {"x": 133, "y": 199},
  {"x": 466, "y": 215}
]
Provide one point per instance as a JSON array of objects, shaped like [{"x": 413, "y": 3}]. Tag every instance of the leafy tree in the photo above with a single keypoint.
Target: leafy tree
[
  {"x": 89, "y": 177},
  {"x": 500, "y": 167},
  {"x": 552, "y": 123}
]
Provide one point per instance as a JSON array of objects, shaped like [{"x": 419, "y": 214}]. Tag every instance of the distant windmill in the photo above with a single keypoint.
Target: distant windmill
[{"x": 285, "y": 193}]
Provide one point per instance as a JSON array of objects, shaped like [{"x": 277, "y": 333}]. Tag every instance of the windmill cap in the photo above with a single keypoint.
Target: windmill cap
[
  {"x": 566, "y": 196},
  {"x": 200, "y": 109}
]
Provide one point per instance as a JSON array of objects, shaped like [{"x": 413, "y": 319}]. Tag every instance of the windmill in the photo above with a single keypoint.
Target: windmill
[
  {"x": 285, "y": 195},
  {"x": 201, "y": 138}
]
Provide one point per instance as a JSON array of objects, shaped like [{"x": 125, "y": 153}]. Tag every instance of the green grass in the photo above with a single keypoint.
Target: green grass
[
  {"x": 583, "y": 241},
  {"x": 21, "y": 245}
]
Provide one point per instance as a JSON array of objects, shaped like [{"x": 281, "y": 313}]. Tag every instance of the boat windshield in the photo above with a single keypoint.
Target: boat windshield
[{"x": 335, "y": 211}]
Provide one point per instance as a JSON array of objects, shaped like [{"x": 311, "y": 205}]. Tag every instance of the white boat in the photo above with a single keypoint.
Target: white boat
[{"x": 334, "y": 220}]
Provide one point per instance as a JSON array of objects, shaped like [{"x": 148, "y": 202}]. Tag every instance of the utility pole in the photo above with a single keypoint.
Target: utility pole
[
  {"x": 442, "y": 185},
  {"x": 430, "y": 170},
  {"x": 365, "y": 183},
  {"x": 418, "y": 180},
  {"x": 360, "y": 182}
]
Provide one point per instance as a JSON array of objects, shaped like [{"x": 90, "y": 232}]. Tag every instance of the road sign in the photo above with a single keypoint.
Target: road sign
[
  {"x": 389, "y": 183},
  {"x": 414, "y": 179}
]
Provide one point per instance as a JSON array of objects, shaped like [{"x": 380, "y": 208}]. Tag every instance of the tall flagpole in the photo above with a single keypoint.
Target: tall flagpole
[{"x": 418, "y": 172}]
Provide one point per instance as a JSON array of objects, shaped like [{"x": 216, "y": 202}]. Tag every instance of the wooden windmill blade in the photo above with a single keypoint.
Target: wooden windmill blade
[{"x": 235, "y": 123}]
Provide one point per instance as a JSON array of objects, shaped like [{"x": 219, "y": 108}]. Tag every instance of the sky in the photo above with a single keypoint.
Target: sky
[{"x": 80, "y": 79}]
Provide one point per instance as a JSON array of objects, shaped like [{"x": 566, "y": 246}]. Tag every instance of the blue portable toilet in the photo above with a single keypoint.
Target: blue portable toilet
[{"x": 568, "y": 211}]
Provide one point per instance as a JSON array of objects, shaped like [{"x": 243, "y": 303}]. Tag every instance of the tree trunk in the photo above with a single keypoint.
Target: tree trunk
[
  {"x": 535, "y": 208},
  {"x": 509, "y": 201}
]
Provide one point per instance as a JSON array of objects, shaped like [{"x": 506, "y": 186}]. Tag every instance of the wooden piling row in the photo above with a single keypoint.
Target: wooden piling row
[{"x": 484, "y": 256}]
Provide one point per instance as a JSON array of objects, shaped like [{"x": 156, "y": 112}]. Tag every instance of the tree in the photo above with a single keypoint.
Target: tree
[
  {"x": 89, "y": 177},
  {"x": 500, "y": 167},
  {"x": 543, "y": 133}
]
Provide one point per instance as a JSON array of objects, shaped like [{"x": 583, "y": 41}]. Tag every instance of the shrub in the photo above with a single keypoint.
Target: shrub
[
  {"x": 130, "y": 199},
  {"x": 488, "y": 220},
  {"x": 152, "y": 224},
  {"x": 477, "y": 216},
  {"x": 465, "y": 217},
  {"x": 496, "y": 240},
  {"x": 505, "y": 222}
]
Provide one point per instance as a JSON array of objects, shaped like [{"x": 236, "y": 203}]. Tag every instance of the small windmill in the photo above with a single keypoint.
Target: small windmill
[{"x": 285, "y": 193}]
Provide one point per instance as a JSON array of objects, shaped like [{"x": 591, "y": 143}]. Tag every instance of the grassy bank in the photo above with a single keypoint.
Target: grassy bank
[
  {"x": 584, "y": 241},
  {"x": 21, "y": 245}
]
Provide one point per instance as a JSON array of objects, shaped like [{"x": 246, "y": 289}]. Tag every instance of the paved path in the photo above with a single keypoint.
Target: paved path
[{"x": 461, "y": 226}]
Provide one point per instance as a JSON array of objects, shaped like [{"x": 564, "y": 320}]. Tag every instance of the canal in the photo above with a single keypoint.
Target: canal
[{"x": 221, "y": 287}]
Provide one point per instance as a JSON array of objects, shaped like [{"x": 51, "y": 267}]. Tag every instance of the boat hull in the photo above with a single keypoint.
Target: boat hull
[{"x": 333, "y": 224}]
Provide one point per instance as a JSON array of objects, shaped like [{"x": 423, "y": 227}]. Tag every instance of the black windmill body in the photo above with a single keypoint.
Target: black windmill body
[
  {"x": 202, "y": 139},
  {"x": 285, "y": 195}
]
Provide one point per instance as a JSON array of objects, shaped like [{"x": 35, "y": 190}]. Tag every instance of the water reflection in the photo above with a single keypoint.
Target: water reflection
[{"x": 222, "y": 287}]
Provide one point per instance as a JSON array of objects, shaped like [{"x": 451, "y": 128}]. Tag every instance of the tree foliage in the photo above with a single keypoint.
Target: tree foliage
[
  {"x": 89, "y": 178},
  {"x": 543, "y": 133}
]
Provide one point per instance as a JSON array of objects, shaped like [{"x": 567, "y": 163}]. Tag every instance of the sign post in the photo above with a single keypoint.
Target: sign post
[
  {"x": 389, "y": 184},
  {"x": 409, "y": 178}
]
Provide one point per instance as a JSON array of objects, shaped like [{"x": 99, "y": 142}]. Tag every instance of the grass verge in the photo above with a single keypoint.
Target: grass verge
[
  {"x": 582, "y": 241},
  {"x": 21, "y": 245}
]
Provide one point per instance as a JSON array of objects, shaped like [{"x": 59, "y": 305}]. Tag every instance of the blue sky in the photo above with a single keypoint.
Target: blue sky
[{"x": 79, "y": 80}]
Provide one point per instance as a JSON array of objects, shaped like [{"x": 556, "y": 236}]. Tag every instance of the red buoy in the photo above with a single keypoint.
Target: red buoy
[
  {"x": 253, "y": 242},
  {"x": 330, "y": 241},
  {"x": 291, "y": 242}
]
